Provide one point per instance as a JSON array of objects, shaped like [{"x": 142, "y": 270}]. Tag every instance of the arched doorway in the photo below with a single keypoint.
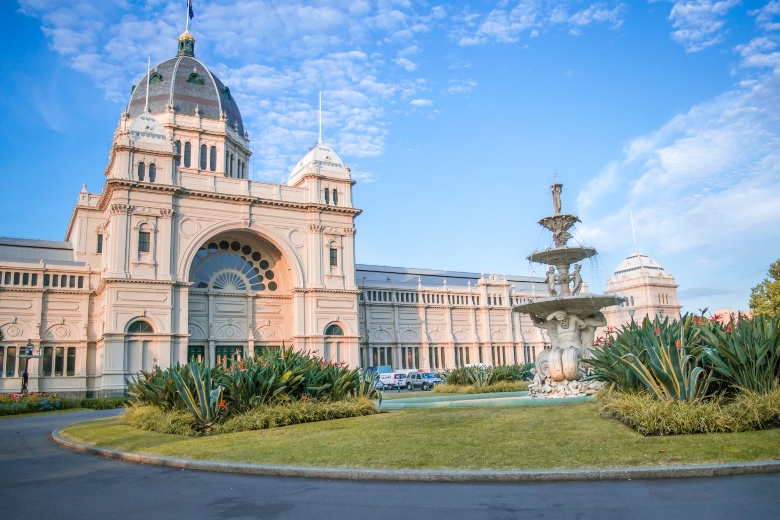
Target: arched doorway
[
  {"x": 140, "y": 347},
  {"x": 240, "y": 300},
  {"x": 334, "y": 336}
]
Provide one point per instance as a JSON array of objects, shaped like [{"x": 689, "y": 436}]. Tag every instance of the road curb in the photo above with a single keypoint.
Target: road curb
[{"x": 417, "y": 475}]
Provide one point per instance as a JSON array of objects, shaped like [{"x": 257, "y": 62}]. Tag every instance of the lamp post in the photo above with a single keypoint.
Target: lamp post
[
  {"x": 27, "y": 352},
  {"x": 631, "y": 313}
]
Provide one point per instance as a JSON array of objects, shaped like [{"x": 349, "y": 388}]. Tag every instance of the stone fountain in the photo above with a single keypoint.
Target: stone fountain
[{"x": 570, "y": 318}]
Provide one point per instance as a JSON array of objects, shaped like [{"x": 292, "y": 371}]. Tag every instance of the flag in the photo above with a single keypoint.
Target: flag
[{"x": 189, "y": 8}]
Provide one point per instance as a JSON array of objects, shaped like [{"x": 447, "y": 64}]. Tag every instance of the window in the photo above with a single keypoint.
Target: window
[
  {"x": 232, "y": 160},
  {"x": 2, "y": 352},
  {"x": 327, "y": 196},
  {"x": 140, "y": 327},
  {"x": 99, "y": 249},
  {"x": 46, "y": 280},
  {"x": 334, "y": 258},
  {"x": 195, "y": 79},
  {"x": 335, "y": 198},
  {"x": 10, "y": 361},
  {"x": 156, "y": 77},
  {"x": 70, "y": 366},
  {"x": 203, "y": 156},
  {"x": 143, "y": 241},
  {"x": 213, "y": 159},
  {"x": 141, "y": 171},
  {"x": 152, "y": 172},
  {"x": 187, "y": 154},
  {"x": 227, "y": 164},
  {"x": 59, "y": 361},
  {"x": 178, "y": 152},
  {"x": 334, "y": 330}
]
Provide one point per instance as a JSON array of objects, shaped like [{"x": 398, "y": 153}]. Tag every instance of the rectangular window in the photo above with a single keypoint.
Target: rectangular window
[
  {"x": 81, "y": 282},
  {"x": 26, "y": 279},
  {"x": 334, "y": 258},
  {"x": 55, "y": 280},
  {"x": 2, "y": 352},
  {"x": 16, "y": 278},
  {"x": 7, "y": 278},
  {"x": 10, "y": 362},
  {"x": 63, "y": 281},
  {"x": 47, "y": 354},
  {"x": 59, "y": 361},
  {"x": 70, "y": 368},
  {"x": 72, "y": 282},
  {"x": 34, "y": 282},
  {"x": 100, "y": 244},
  {"x": 143, "y": 241}
]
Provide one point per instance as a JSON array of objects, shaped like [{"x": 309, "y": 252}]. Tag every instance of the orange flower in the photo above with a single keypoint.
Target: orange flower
[
  {"x": 223, "y": 404},
  {"x": 265, "y": 364},
  {"x": 170, "y": 381},
  {"x": 304, "y": 398},
  {"x": 678, "y": 343},
  {"x": 728, "y": 328},
  {"x": 657, "y": 331}
]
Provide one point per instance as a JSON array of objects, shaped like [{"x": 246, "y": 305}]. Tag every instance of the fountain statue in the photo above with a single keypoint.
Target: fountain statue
[{"x": 570, "y": 318}]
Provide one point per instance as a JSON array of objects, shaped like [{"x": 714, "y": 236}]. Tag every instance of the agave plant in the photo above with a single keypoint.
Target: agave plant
[
  {"x": 156, "y": 387},
  {"x": 746, "y": 354},
  {"x": 479, "y": 377},
  {"x": 206, "y": 405},
  {"x": 667, "y": 366},
  {"x": 366, "y": 386}
]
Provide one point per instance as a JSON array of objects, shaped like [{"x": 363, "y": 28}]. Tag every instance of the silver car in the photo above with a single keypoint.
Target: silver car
[{"x": 422, "y": 380}]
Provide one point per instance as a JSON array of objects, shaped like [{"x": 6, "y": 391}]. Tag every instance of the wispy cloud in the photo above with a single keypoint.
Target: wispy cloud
[
  {"x": 506, "y": 24},
  {"x": 699, "y": 24}
]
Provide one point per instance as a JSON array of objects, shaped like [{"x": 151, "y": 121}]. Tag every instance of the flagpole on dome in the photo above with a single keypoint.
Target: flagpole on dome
[
  {"x": 190, "y": 15},
  {"x": 148, "y": 72}
]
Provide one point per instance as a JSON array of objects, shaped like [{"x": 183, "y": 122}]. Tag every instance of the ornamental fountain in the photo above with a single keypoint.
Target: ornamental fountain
[{"x": 570, "y": 318}]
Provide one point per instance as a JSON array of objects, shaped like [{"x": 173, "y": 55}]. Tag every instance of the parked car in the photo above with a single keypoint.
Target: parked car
[
  {"x": 422, "y": 380},
  {"x": 391, "y": 380}
]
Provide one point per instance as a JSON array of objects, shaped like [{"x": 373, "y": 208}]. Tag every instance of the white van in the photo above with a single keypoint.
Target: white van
[{"x": 391, "y": 380}]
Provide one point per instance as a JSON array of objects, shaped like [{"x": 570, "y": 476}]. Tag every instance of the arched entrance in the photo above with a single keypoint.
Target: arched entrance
[{"x": 240, "y": 300}]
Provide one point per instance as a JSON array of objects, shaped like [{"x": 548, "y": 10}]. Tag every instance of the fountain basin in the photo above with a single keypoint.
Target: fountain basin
[{"x": 581, "y": 305}]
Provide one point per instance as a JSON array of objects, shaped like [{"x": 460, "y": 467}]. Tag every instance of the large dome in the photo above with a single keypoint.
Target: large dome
[
  {"x": 187, "y": 85},
  {"x": 636, "y": 261}
]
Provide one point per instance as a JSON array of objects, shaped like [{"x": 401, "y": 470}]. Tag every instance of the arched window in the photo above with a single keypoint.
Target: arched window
[
  {"x": 232, "y": 266},
  {"x": 140, "y": 327},
  {"x": 333, "y": 330},
  {"x": 632, "y": 301},
  {"x": 195, "y": 79},
  {"x": 187, "y": 154},
  {"x": 327, "y": 196},
  {"x": 152, "y": 172},
  {"x": 178, "y": 152},
  {"x": 141, "y": 171},
  {"x": 156, "y": 77},
  {"x": 232, "y": 160},
  {"x": 203, "y": 157},
  {"x": 213, "y": 159},
  {"x": 227, "y": 163},
  {"x": 335, "y": 197}
]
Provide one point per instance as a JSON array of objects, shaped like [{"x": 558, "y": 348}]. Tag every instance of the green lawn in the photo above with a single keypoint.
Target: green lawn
[{"x": 538, "y": 437}]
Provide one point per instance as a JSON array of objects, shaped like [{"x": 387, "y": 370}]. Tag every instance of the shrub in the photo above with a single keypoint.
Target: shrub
[
  {"x": 649, "y": 416},
  {"x": 746, "y": 354},
  {"x": 180, "y": 422},
  {"x": 475, "y": 375},
  {"x": 33, "y": 403}
]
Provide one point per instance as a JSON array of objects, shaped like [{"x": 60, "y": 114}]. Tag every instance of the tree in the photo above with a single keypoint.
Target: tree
[{"x": 765, "y": 297}]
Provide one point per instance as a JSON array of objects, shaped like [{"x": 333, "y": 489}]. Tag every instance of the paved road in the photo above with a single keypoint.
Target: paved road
[{"x": 40, "y": 480}]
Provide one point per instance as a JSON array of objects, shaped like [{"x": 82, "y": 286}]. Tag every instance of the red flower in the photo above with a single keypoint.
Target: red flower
[
  {"x": 717, "y": 317},
  {"x": 265, "y": 364},
  {"x": 657, "y": 332},
  {"x": 304, "y": 398},
  {"x": 678, "y": 343},
  {"x": 728, "y": 328},
  {"x": 223, "y": 404}
]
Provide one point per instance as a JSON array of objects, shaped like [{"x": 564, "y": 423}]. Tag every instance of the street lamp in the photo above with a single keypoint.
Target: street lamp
[
  {"x": 631, "y": 313},
  {"x": 27, "y": 352}
]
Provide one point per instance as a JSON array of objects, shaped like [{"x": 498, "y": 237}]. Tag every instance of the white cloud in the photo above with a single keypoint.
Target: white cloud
[
  {"x": 505, "y": 25},
  {"x": 421, "y": 102},
  {"x": 461, "y": 86},
  {"x": 699, "y": 23},
  {"x": 407, "y": 64}
]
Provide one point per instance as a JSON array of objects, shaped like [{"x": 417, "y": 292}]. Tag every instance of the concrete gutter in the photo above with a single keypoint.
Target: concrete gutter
[{"x": 422, "y": 475}]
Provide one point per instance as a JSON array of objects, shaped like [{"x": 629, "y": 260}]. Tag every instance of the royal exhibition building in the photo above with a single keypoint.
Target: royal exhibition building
[{"x": 181, "y": 255}]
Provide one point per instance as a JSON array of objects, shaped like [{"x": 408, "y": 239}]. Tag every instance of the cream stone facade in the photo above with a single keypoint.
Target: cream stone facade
[
  {"x": 647, "y": 289},
  {"x": 181, "y": 255}
]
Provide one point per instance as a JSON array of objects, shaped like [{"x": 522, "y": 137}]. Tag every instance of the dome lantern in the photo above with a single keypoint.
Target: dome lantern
[{"x": 186, "y": 44}]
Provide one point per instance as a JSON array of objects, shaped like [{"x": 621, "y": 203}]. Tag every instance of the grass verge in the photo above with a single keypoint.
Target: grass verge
[{"x": 539, "y": 437}]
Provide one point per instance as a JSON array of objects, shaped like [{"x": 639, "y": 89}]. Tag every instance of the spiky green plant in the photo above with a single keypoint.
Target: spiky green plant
[
  {"x": 668, "y": 366},
  {"x": 746, "y": 354},
  {"x": 206, "y": 405}
]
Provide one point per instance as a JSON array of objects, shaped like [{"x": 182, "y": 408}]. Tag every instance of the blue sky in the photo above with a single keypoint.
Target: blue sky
[{"x": 455, "y": 118}]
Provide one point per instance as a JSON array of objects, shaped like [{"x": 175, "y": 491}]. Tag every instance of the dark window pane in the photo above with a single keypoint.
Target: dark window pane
[
  {"x": 334, "y": 262},
  {"x": 327, "y": 196},
  {"x": 141, "y": 171},
  {"x": 203, "y": 157},
  {"x": 140, "y": 327},
  {"x": 2, "y": 356},
  {"x": 16, "y": 278},
  {"x": 7, "y": 278},
  {"x": 34, "y": 281},
  {"x": 47, "y": 353},
  {"x": 213, "y": 159},
  {"x": 81, "y": 282},
  {"x": 187, "y": 154},
  {"x": 152, "y": 172},
  {"x": 10, "y": 362},
  {"x": 26, "y": 279},
  {"x": 335, "y": 198},
  {"x": 55, "y": 280},
  {"x": 59, "y": 361},
  {"x": 100, "y": 243},
  {"x": 178, "y": 152},
  {"x": 71, "y": 366},
  {"x": 72, "y": 282},
  {"x": 143, "y": 241}
]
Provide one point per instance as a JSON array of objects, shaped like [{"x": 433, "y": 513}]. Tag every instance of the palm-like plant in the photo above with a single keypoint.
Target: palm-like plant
[{"x": 206, "y": 405}]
